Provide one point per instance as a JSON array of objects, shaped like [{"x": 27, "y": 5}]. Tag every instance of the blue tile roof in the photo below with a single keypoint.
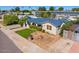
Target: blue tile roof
[
  {"x": 55, "y": 22},
  {"x": 38, "y": 20}
]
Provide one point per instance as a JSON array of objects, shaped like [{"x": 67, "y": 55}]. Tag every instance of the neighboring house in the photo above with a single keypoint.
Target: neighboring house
[
  {"x": 51, "y": 26},
  {"x": 72, "y": 33},
  {"x": 20, "y": 16},
  {"x": 69, "y": 13},
  {"x": 73, "y": 17}
]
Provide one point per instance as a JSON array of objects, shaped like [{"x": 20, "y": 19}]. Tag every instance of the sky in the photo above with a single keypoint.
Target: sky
[{"x": 35, "y": 7}]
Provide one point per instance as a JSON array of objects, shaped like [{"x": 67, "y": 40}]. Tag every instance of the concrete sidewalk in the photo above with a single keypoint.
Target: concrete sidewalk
[{"x": 23, "y": 44}]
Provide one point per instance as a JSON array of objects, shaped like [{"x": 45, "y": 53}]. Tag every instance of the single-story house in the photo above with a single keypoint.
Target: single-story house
[
  {"x": 73, "y": 17},
  {"x": 51, "y": 26},
  {"x": 21, "y": 15}
]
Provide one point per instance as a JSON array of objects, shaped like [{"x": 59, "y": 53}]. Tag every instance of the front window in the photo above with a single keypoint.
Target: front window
[{"x": 49, "y": 27}]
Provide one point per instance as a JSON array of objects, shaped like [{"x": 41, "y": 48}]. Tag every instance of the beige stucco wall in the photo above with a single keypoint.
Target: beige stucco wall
[{"x": 53, "y": 31}]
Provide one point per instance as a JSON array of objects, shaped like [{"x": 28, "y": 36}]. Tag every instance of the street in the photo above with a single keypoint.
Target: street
[{"x": 6, "y": 45}]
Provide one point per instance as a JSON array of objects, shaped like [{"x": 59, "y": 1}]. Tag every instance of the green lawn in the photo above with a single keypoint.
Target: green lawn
[{"x": 26, "y": 32}]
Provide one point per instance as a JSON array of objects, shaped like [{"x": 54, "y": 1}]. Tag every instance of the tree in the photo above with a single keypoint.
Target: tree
[
  {"x": 60, "y": 9},
  {"x": 10, "y": 19},
  {"x": 17, "y": 9},
  {"x": 53, "y": 15},
  {"x": 51, "y": 8},
  {"x": 25, "y": 11},
  {"x": 41, "y": 14},
  {"x": 75, "y": 9},
  {"x": 0, "y": 10},
  {"x": 22, "y": 21},
  {"x": 45, "y": 14},
  {"x": 41, "y": 9},
  {"x": 67, "y": 25},
  {"x": 77, "y": 21}
]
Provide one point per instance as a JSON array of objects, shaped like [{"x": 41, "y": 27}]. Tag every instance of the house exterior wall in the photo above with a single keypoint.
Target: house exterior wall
[
  {"x": 33, "y": 12},
  {"x": 52, "y": 31},
  {"x": 26, "y": 25}
]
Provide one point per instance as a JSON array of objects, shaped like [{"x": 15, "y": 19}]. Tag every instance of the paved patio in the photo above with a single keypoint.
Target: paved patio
[{"x": 74, "y": 48}]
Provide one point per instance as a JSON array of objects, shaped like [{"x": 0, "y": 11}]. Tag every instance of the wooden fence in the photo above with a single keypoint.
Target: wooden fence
[{"x": 70, "y": 35}]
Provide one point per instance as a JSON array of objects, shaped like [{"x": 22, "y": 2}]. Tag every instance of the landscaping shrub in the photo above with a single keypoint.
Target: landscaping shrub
[
  {"x": 10, "y": 19},
  {"x": 67, "y": 25},
  {"x": 35, "y": 27},
  {"x": 22, "y": 21}
]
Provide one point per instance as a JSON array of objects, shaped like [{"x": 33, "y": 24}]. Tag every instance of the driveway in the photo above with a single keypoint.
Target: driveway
[{"x": 6, "y": 45}]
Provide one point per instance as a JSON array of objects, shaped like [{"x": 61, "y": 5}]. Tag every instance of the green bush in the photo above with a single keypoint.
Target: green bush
[
  {"x": 35, "y": 27},
  {"x": 22, "y": 21},
  {"x": 67, "y": 25},
  {"x": 10, "y": 19}
]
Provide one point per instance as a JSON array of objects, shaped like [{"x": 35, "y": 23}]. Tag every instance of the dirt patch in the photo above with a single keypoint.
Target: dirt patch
[{"x": 43, "y": 39}]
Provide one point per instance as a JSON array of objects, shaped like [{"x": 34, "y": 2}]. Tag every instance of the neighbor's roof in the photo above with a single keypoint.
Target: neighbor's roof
[
  {"x": 21, "y": 16},
  {"x": 74, "y": 27},
  {"x": 55, "y": 22},
  {"x": 32, "y": 16},
  {"x": 60, "y": 12}
]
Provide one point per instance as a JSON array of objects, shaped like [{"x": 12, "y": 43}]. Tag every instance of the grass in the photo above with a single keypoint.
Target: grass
[{"x": 26, "y": 32}]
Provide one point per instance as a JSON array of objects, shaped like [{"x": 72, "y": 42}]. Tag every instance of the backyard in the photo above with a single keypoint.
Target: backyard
[{"x": 26, "y": 32}]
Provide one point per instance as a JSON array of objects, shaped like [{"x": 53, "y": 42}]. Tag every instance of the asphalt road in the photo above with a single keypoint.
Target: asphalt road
[{"x": 6, "y": 45}]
